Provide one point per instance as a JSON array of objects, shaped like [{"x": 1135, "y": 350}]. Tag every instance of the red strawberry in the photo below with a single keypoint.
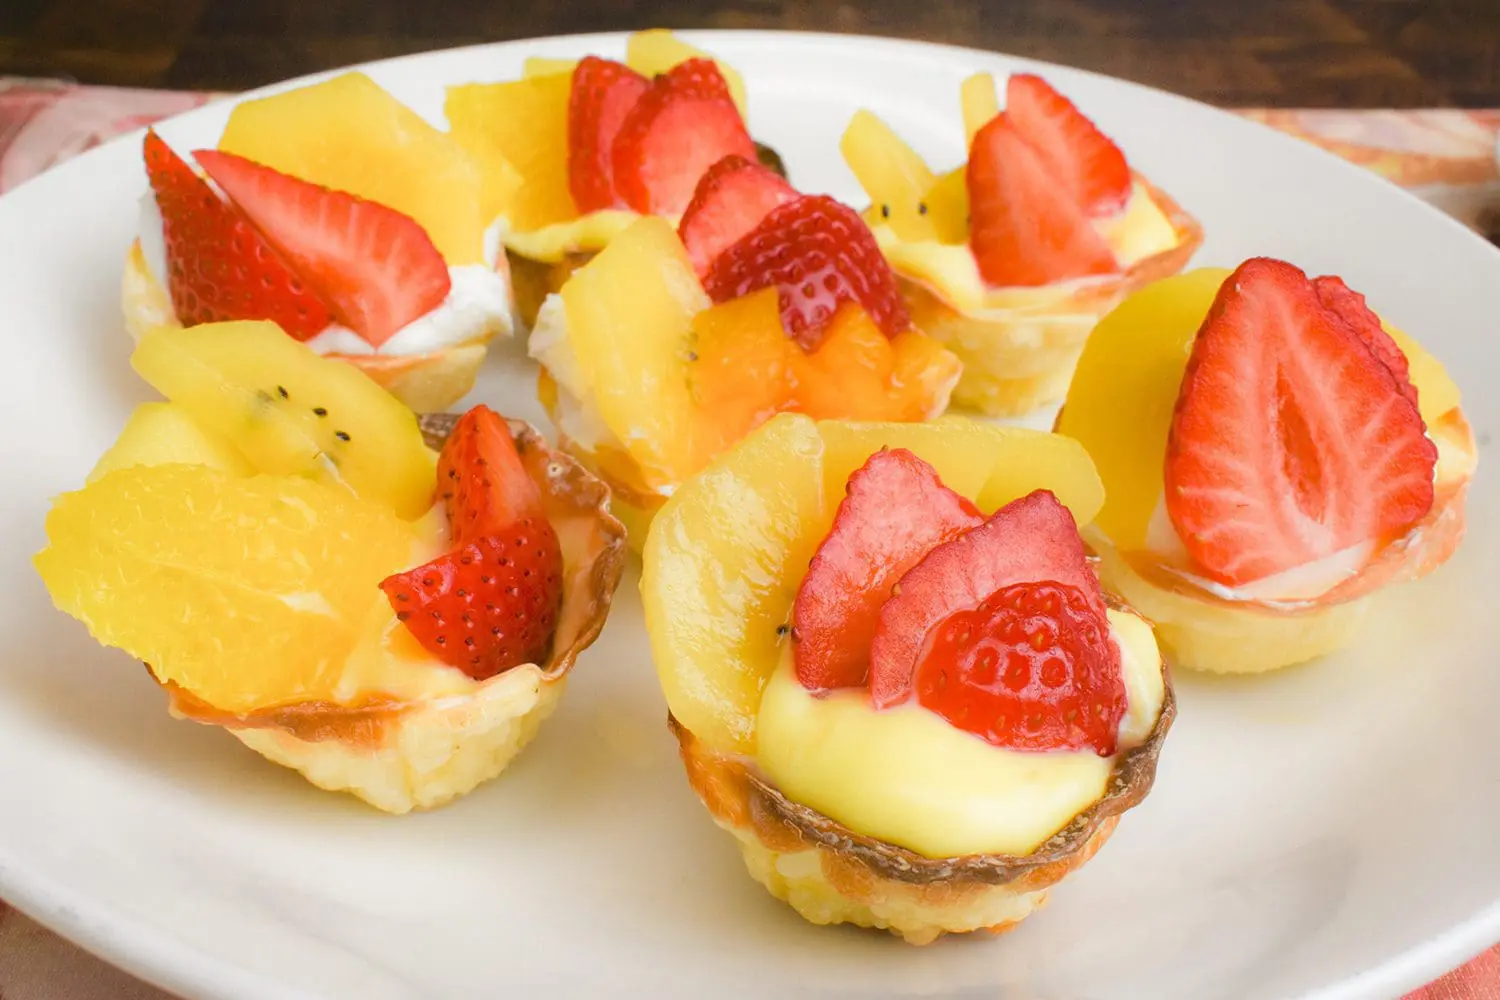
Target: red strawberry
[
  {"x": 376, "y": 267},
  {"x": 730, "y": 200},
  {"x": 1292, "y": 440},
  {"x": 818, "y": 253},
  {"x": 895, "y": 511},
  {"x": 1032, "y": 668},
  {"x": 1079, "y": 158},
  {"x": 1025, "y": 227},
  {"x": 1030, "y": 540},
  {"x": 603, "y": 93},
  {"x": 219, "y": 267},
  {"x": 490, "y": 605},
  {"x": 481, "y": 479},
  {"x": 1350, "y": 307},
  {"x": 682, "y": 125}
]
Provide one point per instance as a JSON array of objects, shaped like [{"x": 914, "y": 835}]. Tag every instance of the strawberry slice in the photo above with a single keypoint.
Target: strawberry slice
[
  {"x": 603, "y": 93},
  {"x": 219, "y": 267},
  {"x": 1030, "y": 540},
  {"x": 730, "y": 200},
  {"x": 1025, "y": 227},
  {"x": 481, "y": 479},
  {"x": 818, "y": 254},
  {"x": 895, "y": 511},
  {"x": 1032, "y": 668},
  {"x": 1080, "y": 158},
  {"x": 1293, "y": 439},
  {"x": 682, "y": 125},
  {"x": 1350, "y": 306},
  {"x": 376, "y": 267}
]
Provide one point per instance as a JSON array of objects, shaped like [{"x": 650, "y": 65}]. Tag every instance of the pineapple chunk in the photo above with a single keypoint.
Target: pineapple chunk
[
  {"x": 658, "y": 50},
  {"x": 980, "y": 102},
  {"x": 349, "y": 134},
  {"x": 891, "y": 173},
  {"x": 167, "y": 434}
]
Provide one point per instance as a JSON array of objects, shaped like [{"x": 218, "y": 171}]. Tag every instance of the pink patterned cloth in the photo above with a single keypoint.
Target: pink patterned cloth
[{"x": 1447, "y": 156}]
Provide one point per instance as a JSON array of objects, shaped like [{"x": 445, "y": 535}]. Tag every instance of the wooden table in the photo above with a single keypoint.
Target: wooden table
[{"x": 1309, "y": 53}]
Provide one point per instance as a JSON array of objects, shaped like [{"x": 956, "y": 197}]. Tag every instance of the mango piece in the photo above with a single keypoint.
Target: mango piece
[
  {"x": 891, "y": 173},
  {"x": 740, "y": 368},
  {"x": 849, "y": 375},
  {"x": 658, "y": 50},
  {"x": 981, "y": 103},
  {"x": 167, "y": 434}
]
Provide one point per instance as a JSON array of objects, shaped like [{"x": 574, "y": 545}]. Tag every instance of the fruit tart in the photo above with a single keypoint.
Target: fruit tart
[
  {"x": 1272, "y": 455},
  {"x": 340, "y": 214},
  {"x": 1010, "y": 259},
  {"x": 892, "y": 674},
  {"x": 668, "y": 347},
  {"x": 577, "y": 149},
  {"x": 293, "y": 562}
]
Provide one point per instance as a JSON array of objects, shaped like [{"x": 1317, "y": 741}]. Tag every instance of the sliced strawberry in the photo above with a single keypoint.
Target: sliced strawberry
[
  {"x": 1350, "y": 307},
  {"x": 489, "y": 605},
  {"x": 1080, "y": 158},
  {"x": 730, "y": 200},
  {"x": 376, "y": 267},
  {"x": 1025, "y": 228},
  {"x": 1029, "y": 540},
  {"x": 219, "y": 267},
  {"x": 818, "y": 254},
  {"x": 682, "y": 125},
  {"x": 481, "y": 479},
  {"x": 1292, "y": 440},
  {"x": 603, "y": 93},
  {"x": 895, "y": 511}
]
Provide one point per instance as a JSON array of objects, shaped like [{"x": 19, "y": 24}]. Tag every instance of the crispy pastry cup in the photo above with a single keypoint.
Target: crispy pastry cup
[{"x": 400, "y": 755}]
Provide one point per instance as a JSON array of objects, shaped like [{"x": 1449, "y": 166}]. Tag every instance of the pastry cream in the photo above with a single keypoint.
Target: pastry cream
[{"x": 907, "y": 777}]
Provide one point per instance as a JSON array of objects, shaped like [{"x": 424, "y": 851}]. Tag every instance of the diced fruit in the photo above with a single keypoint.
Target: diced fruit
[
  {"x": 948, "y": 206},
  {"x": 740, "y": 370},
  {"x": 1349, "y": 306},
  {"x": 373, "y": 265},
  {"x": 219, "y": 268},
  {"x": 1032, "y": 668},
  {"x": 682, "y": 125},
  {"x": 818, "y": 254},
  {"x": 350, "y": 135},
  {"x": 730, "y": 200},
  {"x": 524, "y": 122},
  {"x": 657, "y": 51},
  {"x": 248, "y": 593},
  {"x": 481, "y": 481},
  {"x": 1292, "y": 440},
  {"x": 603, "y": 93},
  {"x": 1030, "y": 540},
  {"x": 894, "y": 177},
  {"x": 167, "y": 434},
  {"x": 895, "y": 511},
  {"x": 980, "y": 103},
  {"x": 1073, "y": 152},
  {"x": 289, "y": 411},
  {"x": 1025, "y": 228}
]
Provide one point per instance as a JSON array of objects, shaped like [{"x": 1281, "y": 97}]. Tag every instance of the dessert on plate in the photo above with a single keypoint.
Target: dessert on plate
[
  {"x": 669, "y": 346},
  {"x": 1010, "y": 259},
  {"x": 340, "y": 214},
  {"x": 892, "y": 673},
  {"x": 575, "y": 150},
  {"x": 1272, "y": 455},
  {"x": 292, "y": 561}
]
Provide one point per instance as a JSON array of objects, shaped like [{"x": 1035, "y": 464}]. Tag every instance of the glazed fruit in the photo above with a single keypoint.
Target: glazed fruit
[
  {"x": 1082, "y": 161},
  {"x": 731, "y": 198},
  {"x": 657, "y": 51},
  {"x": 603, "y": 92},
  {"x": 163, "y": 433}
]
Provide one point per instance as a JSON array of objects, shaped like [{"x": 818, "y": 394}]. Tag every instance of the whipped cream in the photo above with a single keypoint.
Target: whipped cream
[{"x": 577, "y": 418}]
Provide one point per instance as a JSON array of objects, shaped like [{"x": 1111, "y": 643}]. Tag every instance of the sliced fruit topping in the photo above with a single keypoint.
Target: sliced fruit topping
[
  {"x": 219, "y": 267},
  {"x": 603, "y": 93},
  {"x": 1032, "y": 668},
  {"x": 657, "y": 50},
  {"x": 896, "y": 510},
  {"x": 980, "y": 103},
  {"x": 684, "y": 124},
  {"x": 818, "y": 253},
  {"x": 1074, "y": 153},
  {"x": 481, "y": 480},
  {"x": 376, "y": 267},
  {"x": 891, "y": 173},
  {"x": 730, "y": 200},
  {"x": 1030, "y": 540},
  {"x": 1293, "y": 439},
  {"x": 1350, "y": 307},
  {"x": 167, "y": 434}
]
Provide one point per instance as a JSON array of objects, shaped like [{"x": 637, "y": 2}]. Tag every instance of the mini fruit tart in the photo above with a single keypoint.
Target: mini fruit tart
[
  {"x": 338, "y": 213},
  {"x": 576, "y": 150},
  {"x": 668, "y": 347},
  {"x": 892, "y": 674},
  {"x": 1272, "y": 455},
  {"x": 389, "y": 621},
  {"x": 1012, "y": 258}
]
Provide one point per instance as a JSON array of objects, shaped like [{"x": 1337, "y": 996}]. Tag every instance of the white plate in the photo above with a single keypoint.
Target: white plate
[{"x": 1324, "y": 832}]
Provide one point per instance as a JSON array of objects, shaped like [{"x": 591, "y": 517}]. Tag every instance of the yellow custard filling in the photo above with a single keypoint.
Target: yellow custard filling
[{"x": 907, "y": 777}]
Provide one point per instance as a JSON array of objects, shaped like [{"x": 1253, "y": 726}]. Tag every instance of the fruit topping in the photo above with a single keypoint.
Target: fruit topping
[
  {"x": 1350, "y": 307},
  {"x": 1080, "y": 159},
  {"x": 656, "y": 50},
  {"x": 896, "y": 510},
  {"x": 218, "y": 266},
  {"x": 376, "y": 267},
  {"x": 603, "y": 93},
  {"x": 481, "y": 480},
  {"x": 818, "y": 253},
  {"x": 891, "y": 173},
  {"x": 1293, "y": 438},
  {"x": 730, "y": 200}
]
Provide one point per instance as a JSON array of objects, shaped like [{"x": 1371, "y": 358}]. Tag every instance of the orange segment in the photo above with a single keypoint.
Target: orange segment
[
  {"x": 740, "y": 373},
  {"x": 923, "y": 374},
  {"x": 849, "y": 375}
]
